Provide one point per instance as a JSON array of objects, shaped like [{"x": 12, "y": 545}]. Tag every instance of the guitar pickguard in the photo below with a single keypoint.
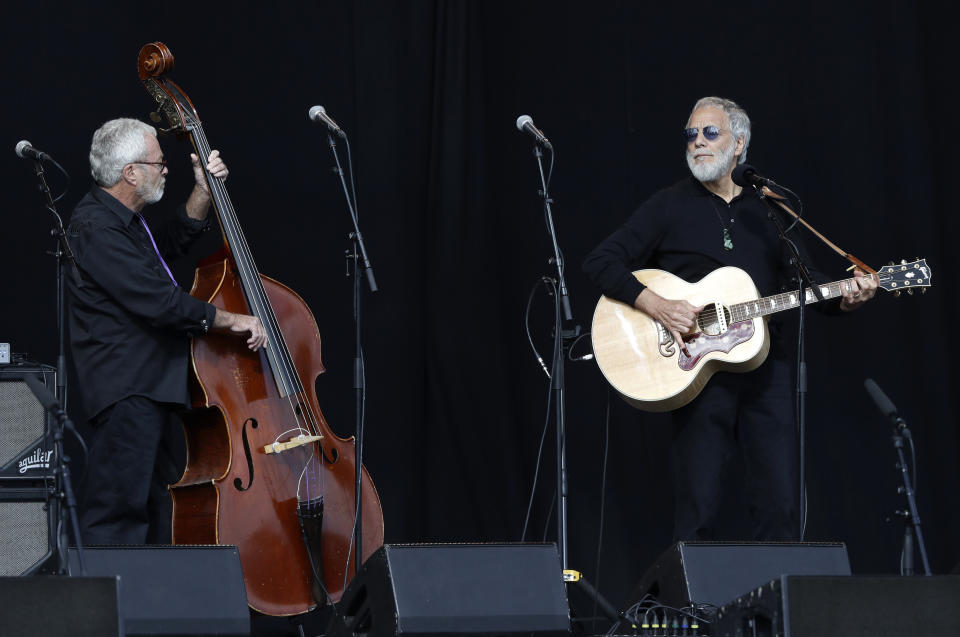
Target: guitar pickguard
[{"x": 699, "y": 345}]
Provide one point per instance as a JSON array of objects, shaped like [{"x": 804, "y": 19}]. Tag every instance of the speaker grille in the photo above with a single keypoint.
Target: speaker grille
[
  {"x": 21, "y": 418},
  {"x": 23, "y": 536},
  {"x": 24, "y": 520}
]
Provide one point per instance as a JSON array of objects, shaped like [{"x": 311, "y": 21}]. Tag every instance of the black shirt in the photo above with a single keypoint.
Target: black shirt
[
  {"x": 130, "y": 325},
  {"x": 680, "y": 230}
]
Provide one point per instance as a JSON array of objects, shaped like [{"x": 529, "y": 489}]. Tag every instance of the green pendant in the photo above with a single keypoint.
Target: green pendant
[{"x": 727, "y": 241}]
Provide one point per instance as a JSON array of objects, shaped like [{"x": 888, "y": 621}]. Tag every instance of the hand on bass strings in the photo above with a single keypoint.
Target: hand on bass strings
[
  {"x": 198, "y": 204},
  {"x": 215, "y": 166},
  {"x": 677, "y": 317},
  {"x": 864, "y": 289},
  {"x": 242, "y": 324}
]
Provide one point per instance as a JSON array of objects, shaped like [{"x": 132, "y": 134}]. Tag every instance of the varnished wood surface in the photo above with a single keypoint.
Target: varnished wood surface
[
  {"x": 625, "y": 341},
  {"x": 236, "y": 387}
]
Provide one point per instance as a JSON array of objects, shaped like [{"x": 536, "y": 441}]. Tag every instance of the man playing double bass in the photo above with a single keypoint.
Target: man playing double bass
[
  {"x": 690, "y": 229},
  {"x": 130, "y": 330}
]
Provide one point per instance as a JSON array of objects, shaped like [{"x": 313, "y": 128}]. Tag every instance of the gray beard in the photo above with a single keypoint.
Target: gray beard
[
  {"x": 722, "y": 158},
  {"x": 150, "y": 195}
]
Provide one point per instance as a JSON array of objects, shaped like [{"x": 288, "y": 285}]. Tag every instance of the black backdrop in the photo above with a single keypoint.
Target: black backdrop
[{"x": 850, "y": 108}]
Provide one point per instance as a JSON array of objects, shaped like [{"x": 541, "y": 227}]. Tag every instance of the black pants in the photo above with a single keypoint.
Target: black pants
[
  {"x": 132, "y": 460},
  {"x": 747, "y": 418}
]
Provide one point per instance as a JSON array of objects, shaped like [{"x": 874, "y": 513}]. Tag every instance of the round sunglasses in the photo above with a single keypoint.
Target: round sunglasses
[{"x": 709, "y": 132}]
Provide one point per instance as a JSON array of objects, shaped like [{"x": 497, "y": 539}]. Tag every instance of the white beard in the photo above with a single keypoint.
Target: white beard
[
  {"x": 712, "y": 171},
  {"x": 151, "y": 194}
]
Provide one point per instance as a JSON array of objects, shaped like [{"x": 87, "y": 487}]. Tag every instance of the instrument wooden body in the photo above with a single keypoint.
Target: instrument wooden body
[
  {"x": 232, "y": 385},
  {"x": 626, "y": 342},
  {"x": 258, "y": 447},
  {"x": 640, "y": 360}
]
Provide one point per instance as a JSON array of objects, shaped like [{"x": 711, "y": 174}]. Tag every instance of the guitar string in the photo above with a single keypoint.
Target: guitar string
[{"x": 769, "y": 304}]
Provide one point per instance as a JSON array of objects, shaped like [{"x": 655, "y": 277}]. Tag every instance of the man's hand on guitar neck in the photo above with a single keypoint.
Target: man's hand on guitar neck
[
  {"x": 677, "y": 317},
  {"x": 857, "y": 295}
]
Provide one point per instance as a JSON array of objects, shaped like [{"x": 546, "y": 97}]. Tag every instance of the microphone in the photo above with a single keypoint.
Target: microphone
[
  {"x": 525, "y": 124},
  {"x": 746, "y": 175},
  {"x": 319, "y": 114},
  {"x": 883, "y": 403},
  {"x": 25, "y": 150}
]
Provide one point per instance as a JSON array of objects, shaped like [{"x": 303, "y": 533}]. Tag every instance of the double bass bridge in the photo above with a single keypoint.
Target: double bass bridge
[{"x": 293, "y": 443}]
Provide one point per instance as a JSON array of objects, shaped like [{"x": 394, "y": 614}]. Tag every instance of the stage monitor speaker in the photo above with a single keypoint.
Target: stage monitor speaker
[
  {"x": 810, "y": 606},
  {"x": 456, "y": 589},
  {"x": 55, "y": 606},
  {"x": 26, "y": 535},
  {"x": 713, "y": 573},
  {"x": 174, "y": 590}
]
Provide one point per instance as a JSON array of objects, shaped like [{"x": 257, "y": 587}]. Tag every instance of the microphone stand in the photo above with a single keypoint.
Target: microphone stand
[
  {"x": 900, "y": 432},
  {"x": 804, "y": 279},
  {"x": 63, "y": 254},
  {"x": 357, "y": 255},
  {"x": 63, "y": 487},
  {"x": 562, "y": 303}
]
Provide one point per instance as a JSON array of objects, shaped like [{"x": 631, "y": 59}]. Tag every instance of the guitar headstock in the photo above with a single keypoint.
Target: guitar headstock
[
  {"x": 155, "y": 60},
  {"x": 903, "y": 276}
]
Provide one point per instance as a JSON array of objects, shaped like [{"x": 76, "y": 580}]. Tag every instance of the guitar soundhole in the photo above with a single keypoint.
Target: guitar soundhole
[{"x": 710, "y": 322}]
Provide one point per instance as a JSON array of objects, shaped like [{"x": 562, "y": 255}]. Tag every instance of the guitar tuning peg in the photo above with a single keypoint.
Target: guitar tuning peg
[
  {"x": 923, "y": 290},
  {"x": 903, "y": 261},
  {"x": 910, "y": 292},
  {"x": 896, "y": 293},
  {"x": 891, "y": 263}
]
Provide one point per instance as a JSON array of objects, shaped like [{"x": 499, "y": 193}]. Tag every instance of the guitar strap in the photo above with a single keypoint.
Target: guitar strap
[{"x": 857, "y": 263}]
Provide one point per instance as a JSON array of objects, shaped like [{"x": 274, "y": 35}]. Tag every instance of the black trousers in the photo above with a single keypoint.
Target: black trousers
[
  {"x": 746, "y": 418},
  {"x": 133, "y": 458}
]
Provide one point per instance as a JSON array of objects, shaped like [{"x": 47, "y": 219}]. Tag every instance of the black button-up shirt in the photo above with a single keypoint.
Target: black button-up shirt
[{"x": 130, "y": 325}]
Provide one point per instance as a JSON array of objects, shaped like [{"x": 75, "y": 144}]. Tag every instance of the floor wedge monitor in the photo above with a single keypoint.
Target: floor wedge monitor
[
  {"x": 456, "y": 589},
  {"x": 713, "y": 573}
]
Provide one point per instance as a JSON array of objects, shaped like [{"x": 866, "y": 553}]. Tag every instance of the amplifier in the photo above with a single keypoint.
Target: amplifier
[
  {"x": 831, "y": 606},
  {"x": 26, "y": 480}
]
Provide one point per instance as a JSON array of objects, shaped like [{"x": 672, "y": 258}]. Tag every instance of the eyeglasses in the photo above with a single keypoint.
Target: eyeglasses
[
  {"x": 162, "y": 163},
  {"x": 709, "y": 132}
]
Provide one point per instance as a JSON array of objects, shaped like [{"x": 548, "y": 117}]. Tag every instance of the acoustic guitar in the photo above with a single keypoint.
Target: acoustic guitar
[{"x": 640, "y": 359}]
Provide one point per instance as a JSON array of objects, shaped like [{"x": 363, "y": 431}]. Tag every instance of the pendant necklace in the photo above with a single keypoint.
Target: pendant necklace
[{"x": 727, "y": 239}]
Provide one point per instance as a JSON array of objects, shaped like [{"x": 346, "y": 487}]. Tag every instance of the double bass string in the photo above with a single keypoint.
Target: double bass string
[{"x": 262, "y": 307}]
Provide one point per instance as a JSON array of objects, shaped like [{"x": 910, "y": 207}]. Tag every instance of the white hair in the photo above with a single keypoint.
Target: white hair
[
  {"x": 115, "y": 144},
  {"x": 739, "y": 121}
]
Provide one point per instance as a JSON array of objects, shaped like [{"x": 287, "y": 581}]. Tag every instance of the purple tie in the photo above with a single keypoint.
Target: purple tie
[{"x": 154, "y": 243}]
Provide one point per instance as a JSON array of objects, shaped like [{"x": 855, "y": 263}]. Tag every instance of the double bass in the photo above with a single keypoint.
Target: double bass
[{"x": 264, "y": 471}]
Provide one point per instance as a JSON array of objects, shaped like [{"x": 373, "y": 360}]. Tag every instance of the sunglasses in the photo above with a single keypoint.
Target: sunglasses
[{"x": 709, "y": 132}]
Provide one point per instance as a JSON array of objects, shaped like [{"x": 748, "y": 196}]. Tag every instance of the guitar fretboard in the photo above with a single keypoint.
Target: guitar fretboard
[{"x": 789, "y": 300}]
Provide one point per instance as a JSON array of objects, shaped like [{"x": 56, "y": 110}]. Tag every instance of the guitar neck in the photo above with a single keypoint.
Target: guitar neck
[{"x": 788, "y": 300}]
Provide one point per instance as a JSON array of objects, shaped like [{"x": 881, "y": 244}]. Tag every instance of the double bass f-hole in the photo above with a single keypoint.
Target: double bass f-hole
[
  {"x": 237, "y": 482},
  {"x": 334, "y": 455}
]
